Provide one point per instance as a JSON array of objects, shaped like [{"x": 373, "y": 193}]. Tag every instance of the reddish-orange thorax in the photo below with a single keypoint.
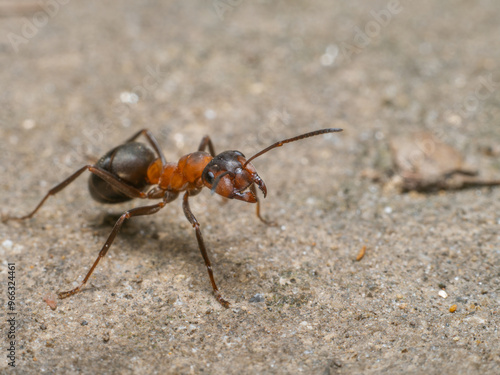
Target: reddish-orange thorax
[{"x": 180, "y": 176}]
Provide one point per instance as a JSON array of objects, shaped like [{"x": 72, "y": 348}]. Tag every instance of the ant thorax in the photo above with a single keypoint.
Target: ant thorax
[{"x": 180, "y": 176}]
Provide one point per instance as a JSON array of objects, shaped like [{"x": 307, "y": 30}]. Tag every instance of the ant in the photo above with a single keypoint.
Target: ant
[{"x": 132, "y": 170}]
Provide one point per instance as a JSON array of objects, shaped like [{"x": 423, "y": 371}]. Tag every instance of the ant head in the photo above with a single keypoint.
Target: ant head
[{"x": 229, "y": 175}]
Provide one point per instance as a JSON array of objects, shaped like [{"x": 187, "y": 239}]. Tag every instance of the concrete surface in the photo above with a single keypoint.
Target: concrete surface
[{"x": 82, "y": 76}]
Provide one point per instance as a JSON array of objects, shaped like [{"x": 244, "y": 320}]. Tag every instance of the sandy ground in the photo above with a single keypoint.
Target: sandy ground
[{"x": 80, "y": 77}]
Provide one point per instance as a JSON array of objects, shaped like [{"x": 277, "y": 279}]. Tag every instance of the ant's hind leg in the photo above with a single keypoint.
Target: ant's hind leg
[
  {"x": 152, "y": 140},
  {"x": 203, "y": 249},
  {"x": 139, "y": 211},
  {"x": 126, "y": 189}
]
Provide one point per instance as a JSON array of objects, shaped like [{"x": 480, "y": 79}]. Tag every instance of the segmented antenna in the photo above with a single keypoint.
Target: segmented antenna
[{"x": 293, "y": 139}]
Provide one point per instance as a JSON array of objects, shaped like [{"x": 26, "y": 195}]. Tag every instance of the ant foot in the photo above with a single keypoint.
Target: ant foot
[
  {"x": 62, "y": 295},
  {"x": 4, "y": 218},
  {"x": 268, "y": 222},
  {"x": 222, "y": 301}
]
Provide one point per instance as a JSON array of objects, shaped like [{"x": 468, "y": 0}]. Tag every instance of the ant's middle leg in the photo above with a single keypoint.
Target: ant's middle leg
[
  {"x": 203, "y": 249},
  {"x": 206, "y": 141},
  {"x": 139, "y": 211},
  {"x": 152, "y": 140},
  {"x": 126, "y": 189}
]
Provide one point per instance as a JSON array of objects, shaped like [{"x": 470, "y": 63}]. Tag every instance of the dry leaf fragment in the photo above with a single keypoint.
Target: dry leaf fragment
[{"x": 424, "y": 163}]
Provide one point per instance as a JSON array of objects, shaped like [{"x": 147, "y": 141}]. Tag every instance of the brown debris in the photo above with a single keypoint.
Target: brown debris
[
  {"x": 51, "y": 300},
  {"x": 361, "y": 253},
  {"x": 424, "y": 163}
]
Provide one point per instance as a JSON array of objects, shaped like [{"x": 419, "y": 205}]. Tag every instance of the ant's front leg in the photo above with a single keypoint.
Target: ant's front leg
[
  {"x": 139, "y": 211},
  {"x": 206, "y": 141},
  {"x": 203, "y": 249},
  {"x": 126, "y": 189},
  {"x": 267, "y": 222}
]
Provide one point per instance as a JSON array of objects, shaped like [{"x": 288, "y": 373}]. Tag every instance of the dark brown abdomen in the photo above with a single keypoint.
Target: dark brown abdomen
[{"x": 130, "y": 163}]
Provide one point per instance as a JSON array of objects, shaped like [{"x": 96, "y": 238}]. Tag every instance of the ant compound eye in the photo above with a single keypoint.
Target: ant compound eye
[{"x": 210, "y": 177}]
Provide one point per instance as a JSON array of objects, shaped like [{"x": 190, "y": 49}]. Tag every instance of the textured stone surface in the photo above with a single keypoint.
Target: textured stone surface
[{"x": 249, "y": 74}]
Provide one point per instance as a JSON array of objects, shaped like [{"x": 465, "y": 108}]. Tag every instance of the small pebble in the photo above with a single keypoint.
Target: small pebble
[
  {"x": 210, "y": 114},
  {"x": 327, "y": 59},
  {"x": 28, "y": 124},
  {"x": 7, "y": 244},
  {"x": 453, "y": 308},
  {"x": 257, "y": 298},
  {"x": 443, "y": 294},
  {"x": 129, "y": 97}
]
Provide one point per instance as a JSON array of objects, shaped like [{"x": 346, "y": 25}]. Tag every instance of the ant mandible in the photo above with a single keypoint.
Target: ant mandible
[{"x": 132, "y": 170}]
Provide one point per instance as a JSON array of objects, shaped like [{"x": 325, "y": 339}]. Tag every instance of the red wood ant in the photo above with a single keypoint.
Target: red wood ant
[{"x": 132, "y": 170}]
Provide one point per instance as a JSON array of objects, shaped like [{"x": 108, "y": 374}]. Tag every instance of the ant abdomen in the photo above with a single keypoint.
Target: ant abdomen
[{"x": 130, "y": 163}]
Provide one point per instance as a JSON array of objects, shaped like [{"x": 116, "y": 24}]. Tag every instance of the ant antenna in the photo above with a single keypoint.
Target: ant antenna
[{"x": 299, "y": 137}]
